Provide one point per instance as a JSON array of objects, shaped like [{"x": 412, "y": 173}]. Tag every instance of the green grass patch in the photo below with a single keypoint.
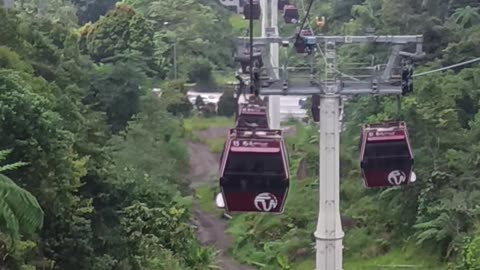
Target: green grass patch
[
  {"x": 204, "y": 195},
  {"x": 216, "y": 144},
  {"x": 406, "y": 257},
  {"x": 223, "y": 78},
  {"x": 194, "y": 124},
  {"x": 307, "y": 264},
  {"x": 200, "y": 123},
  {"x": 240, "y": 25}
]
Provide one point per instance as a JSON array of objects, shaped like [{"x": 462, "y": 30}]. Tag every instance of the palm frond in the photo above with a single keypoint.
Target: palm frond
[
  {"x": 19, "y": 209},
  {"x": 4, "y": 154},
  {"x": 11, "y": 167}
]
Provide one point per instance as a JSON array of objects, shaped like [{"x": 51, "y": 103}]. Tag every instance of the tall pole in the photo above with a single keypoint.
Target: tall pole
[
  {"x": 264, "y": 9},
  {"x": 274, "y": 101},
  {"x": 329, "y": 233}
]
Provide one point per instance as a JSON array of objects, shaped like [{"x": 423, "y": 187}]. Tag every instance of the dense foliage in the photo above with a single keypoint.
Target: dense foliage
[
  {"x": 433, "y": 223},
  {"x": 102, "y": 153}
]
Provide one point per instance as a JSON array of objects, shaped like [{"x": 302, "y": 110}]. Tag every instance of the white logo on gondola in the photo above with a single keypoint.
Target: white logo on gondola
[
  {"x": 396, "y": 177},
  {"x": 266, "y": 202}
]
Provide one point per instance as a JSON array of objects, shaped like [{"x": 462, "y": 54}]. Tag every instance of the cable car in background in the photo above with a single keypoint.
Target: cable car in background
[
  {"x": 244, "y": 59},
  {"x": 386, "y": 155},
  {"x": 282, "y": 3},
  {"x": 290, "y": 14},
  {"x": 306, "y": 42},
  {"x": 254, "y": 174},
  {"x": 252, "y": 116},
  {"x": 255, "y": 11}
]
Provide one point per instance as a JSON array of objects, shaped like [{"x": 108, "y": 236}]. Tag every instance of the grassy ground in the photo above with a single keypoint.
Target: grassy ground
[
  {"x": 240, "y": 25},
  {"x": 194, "y": 124},
  {"x": 199, "y": 123},
  {"x": 216, "y": 144},
  {"x": 204, "y": 195},
  {"x": 408, "y": 257},
  {"x": 223, "y": 78}
]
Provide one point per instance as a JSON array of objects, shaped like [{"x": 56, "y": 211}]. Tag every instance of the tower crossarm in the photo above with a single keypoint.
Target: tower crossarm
[{"x": 388, "y": 39}]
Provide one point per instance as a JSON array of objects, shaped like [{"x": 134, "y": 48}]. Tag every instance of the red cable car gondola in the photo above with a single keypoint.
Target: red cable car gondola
[
  {"x": 254, "y": 174},
  {"x": 290, "y": 14},
  {"x": 306, "y": 42},
  {"x": 255, "y": 11},
  {"x": 244, "y": 59},
  {"x": 252, "y": 116},
  {"x": 386, "y": 155}
]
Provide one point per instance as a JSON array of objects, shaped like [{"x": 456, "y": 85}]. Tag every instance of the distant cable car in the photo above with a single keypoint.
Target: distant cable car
[
  {"x": 282, "y": 3},
  {"x": 244, "y": 59},
  {"x": 386, "y": 155},
  {"x": 306, "y": 42},
  {"x": 290, "y": 14},
  {"x": 254, "y": 175},
  {"x": 255, "y": 11},
  {"x": 252, "y": 116}
]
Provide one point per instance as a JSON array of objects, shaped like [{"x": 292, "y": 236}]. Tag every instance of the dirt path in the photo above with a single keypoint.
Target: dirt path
[
  {"x": 210, "y": 228},
  {"x": 203, "y": 164}
]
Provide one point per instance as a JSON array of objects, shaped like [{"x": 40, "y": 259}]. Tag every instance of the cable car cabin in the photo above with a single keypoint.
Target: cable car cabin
[
  {"x": 244, "y": 59},
  {"x": 306, "y": 42},
  {"x": 251, "y": 116},
  {"x": 290, "y": 14},
  {"x": 252, "y": 11},
  {"x": 254, "y": 174},
  {"x": 385, "y": 154},
  {"x": 281, "y": 4}
]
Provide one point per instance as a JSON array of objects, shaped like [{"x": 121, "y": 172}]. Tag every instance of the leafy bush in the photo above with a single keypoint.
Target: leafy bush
[
  {"x": 227, "y": 104},
  {"x": 200, "y": 71}
]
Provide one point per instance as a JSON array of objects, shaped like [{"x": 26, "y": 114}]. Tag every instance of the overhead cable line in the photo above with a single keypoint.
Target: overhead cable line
[{"x": 448, "y": 67}]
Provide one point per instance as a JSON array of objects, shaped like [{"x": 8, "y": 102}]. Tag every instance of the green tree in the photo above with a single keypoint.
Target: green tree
[
  {"x": 467, "y": 16},
  {"x": 118, "y": 35},
  {"x": 116, "y": 90},
  {"x": 227, "y": 104},
  {"x": 200, "y": 72}
]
